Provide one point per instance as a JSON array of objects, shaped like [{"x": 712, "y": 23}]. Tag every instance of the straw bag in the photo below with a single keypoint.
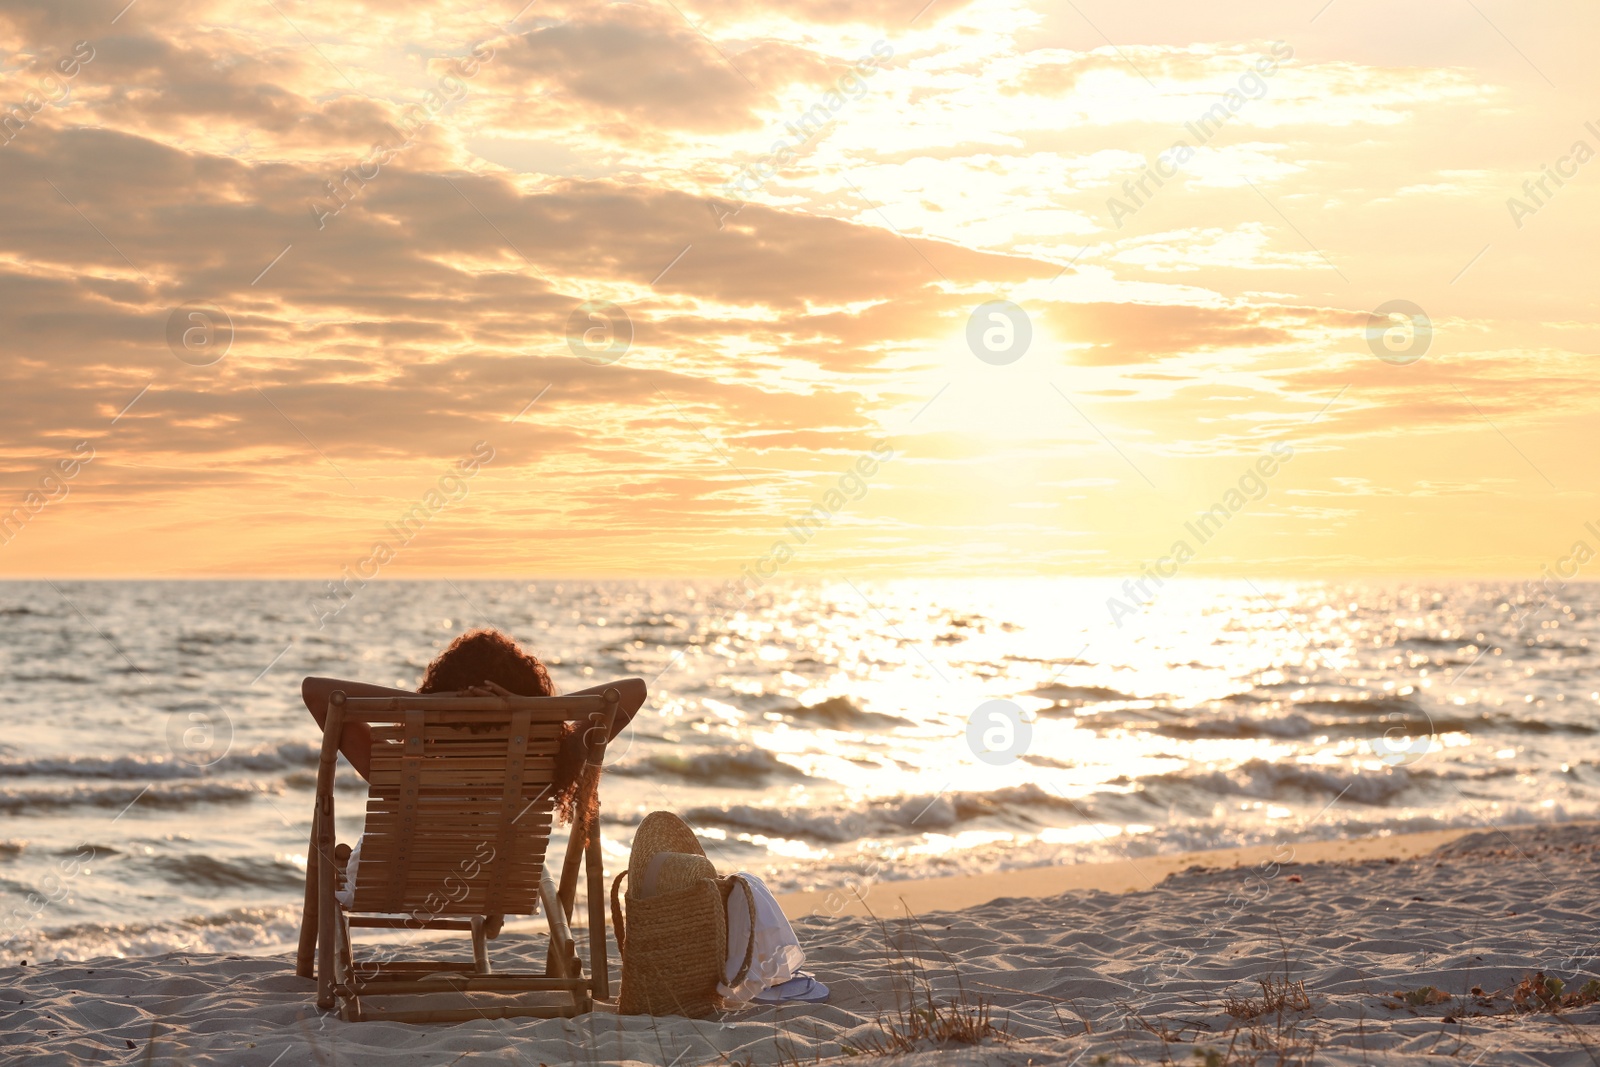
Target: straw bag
[{"x": 674, "y": 940}]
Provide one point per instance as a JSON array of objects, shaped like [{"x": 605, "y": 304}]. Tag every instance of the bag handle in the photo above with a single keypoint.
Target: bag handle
[
  {"x": 750, "y": 945},
  {"x": 616, "y": 911}
]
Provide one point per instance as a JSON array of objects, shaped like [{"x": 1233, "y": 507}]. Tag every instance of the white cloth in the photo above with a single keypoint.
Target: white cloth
[
  {"x": 776, "y": 954},
  {"x": 347, "y": 895}
]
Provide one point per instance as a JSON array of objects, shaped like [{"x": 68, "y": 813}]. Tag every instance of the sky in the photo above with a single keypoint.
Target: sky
[{"x": 651, "y": 289}]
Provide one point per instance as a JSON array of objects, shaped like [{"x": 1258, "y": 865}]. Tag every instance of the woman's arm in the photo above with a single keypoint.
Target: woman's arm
[
  {"x": 631, "y": 693},
  {"x": 355, "y": 741},
  {"x": 631, "y": 690}
]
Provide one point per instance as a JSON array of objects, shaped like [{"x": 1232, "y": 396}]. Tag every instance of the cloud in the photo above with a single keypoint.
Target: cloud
[
  {"x": 413, "y": 306},
  {"x": 1106, "y": 334},
  {"x": 645, "y": 67},
  {"x": 393, "y": 302}
]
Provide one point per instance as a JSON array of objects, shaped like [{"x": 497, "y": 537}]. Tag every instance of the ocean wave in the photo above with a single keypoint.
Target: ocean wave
[
  {"x": 1545, "y": 726},
  {"x": 130, "y": 768},
  {"x": 234, "y": 930},
  {"x": 289, "y": 755},
  {"x": 205, "y": 871},
  {"x": 740, "y": 766},
  {"x": 1240, "y": 727},
  {"x": 1447, "y": 643},
  {"x": 1195, "y": 724},
  {"x": 345, "y": 780},
  {"x": 839, "y": 713},
  {"x": 1191, "y": 725},
  {"x": 1071, "y": 695},
  {"x": 1361, "y": 705},
  {"x": 174, "y": 795},
  {"x": 898, "y": 815},
  {"x": 833, "y": 827},
  {"x": 217, "y": 637},
  {"x": 670, "y": 637},
  {"x": 1276, "y": 780},
  {"x": 1008, "y": 800},
  {"x": 1450, "y": 772}
]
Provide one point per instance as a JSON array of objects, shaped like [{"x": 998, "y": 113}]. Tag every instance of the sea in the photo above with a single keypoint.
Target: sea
[{"x": 157, "y": 763}]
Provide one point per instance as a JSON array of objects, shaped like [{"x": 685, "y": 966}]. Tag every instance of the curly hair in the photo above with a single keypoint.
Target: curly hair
[{"x": 479, "y": 656}]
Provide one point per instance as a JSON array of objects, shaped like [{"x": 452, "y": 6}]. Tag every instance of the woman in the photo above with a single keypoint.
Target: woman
[{"x": 480, "y": 663}]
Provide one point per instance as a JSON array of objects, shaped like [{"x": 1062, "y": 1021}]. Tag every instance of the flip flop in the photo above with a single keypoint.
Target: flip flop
[{"x": 802, "y": 987}]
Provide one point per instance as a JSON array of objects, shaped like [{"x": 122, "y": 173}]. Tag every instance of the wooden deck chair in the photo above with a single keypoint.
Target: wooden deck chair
[{"x": 459, "y": 810}]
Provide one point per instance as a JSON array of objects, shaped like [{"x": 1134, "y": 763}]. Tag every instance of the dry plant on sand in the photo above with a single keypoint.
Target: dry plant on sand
[
  {"x": 1268, "y": 1028},
  {"x": 921, "y": 1018},
  {"x": 1278, "y": 995},
  {"x": 1538, "y": 992},
  {"x": 787, "y": 1057},
  {"x": 1249, "y": 1055}
]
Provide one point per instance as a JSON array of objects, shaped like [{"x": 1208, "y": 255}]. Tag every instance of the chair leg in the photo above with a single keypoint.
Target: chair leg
[
  {"x": 567, "y": 890},
  {"x": 563, "y": 959},
  {"x": 350, "y": 1010},
  {"x": 558, "y": 962},
  {"x": 480, "y": 947},
  {"x": 316, "y": 928},
  {"x": 327, "y": 907},
  {"x": 599, "y": 969},
  {"x": 305, "y": 958},
  {"x": 345, "y": 964}
]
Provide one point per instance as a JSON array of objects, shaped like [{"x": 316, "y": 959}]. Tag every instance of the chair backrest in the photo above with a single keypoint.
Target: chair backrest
[{"x": 461, "y": 797}]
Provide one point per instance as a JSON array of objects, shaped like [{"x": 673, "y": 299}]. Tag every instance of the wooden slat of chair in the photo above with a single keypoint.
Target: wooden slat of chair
[
  {"x": 457, "y": 982},
  {"x": 485, "y": 765},
  {"x": 453, "y": 735},
  {"x": 463, "y": 1015},
  {"x": 451, "y": 777},
  {"x": 541, "y": 771}
]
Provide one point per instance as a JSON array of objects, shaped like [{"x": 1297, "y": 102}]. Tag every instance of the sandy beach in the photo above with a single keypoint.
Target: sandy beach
[{"x": 1392, "y": 950}]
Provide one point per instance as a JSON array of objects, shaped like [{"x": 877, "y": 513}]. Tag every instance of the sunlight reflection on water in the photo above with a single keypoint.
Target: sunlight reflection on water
[{"x": 820, "y": 728}]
